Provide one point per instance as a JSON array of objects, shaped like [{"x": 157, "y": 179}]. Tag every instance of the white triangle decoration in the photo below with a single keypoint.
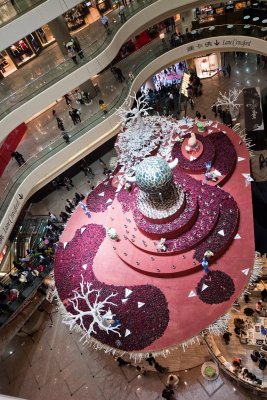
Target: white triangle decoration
[
  {"x": 192, "y": 158},
  {"x": 217, "y": 173},
  {"x": 127, "y": 333},
  {"x": 102, "y": 194},
  {"x": 221, "y": 232},
  {"x": 65, "y": 244},
  {"x": 84, "y": 266},
  {"x": 140, "y": 304},
  {"x": 210, "y": 131},
  {"x": 109, "y": 201},
  {"x": 240, "y": 159},
  {"x": 128, "y": 292},
  {"x": 124, "y": 300},
  {"x": 248, "y": 177},
  {"x": 245, "y": 271},
  {"x": 82, "y": 230},
  {"x": 204, "y": 286},
  {"x": 237, "y": 236},
  {"x": 192, "y": 294}
]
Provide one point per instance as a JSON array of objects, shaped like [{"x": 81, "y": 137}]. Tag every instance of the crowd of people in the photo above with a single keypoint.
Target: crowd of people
[{"x": 36, "y": 263}]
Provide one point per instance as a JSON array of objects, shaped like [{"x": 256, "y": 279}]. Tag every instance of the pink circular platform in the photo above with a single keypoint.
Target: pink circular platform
[{"x": 135, "y": 262}]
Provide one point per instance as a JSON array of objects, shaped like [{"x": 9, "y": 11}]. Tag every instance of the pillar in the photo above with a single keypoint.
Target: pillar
[
  {"x": 186, "y": 20},
  {"x": 88, "y": 86},
  {"x": 60, "y": 32}
]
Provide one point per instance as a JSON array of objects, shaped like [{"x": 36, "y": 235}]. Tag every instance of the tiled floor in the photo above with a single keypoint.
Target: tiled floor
[{"x": 56, "y": 366}]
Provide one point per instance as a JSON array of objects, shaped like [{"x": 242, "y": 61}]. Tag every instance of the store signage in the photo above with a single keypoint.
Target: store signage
[
  {"x": 10, "y": 219},
  {"x": 185, "y": 83},
  {"x": 215, "y": 42}
]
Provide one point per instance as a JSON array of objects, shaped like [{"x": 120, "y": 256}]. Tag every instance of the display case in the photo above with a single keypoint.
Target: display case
[
  {"x": 240, "y": 5},
  {"x": 45, "y": 35},
  {"x": 219, "y": 11},
  {"x": 21, "y": 52},
  {"x": 74, "y": 19},
  {"x": 7, "y": 66}
]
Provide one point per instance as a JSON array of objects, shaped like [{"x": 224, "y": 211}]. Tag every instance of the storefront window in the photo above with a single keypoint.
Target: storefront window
[
  {"x": 74, "y": 18},
  {"x": 7, "y": 11},
  {"x": 103, "y": 5},
  {"x": 207, "y": 66},
  {"x": 6, "y": 64},
  {"x": 45, "y": 35},
  {"x": 21, "y": 52}
]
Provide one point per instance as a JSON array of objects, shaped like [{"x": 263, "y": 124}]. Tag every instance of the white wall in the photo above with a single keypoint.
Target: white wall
[{"x": 106, "y": 129}]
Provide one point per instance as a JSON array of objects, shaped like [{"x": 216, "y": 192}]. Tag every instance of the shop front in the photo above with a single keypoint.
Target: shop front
[
  {"x": 208, "y": 65},
  {"x": 104, "y": 5}
]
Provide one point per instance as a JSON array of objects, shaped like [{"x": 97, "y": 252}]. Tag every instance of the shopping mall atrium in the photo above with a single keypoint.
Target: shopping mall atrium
[{"x": 133, "y": 176}]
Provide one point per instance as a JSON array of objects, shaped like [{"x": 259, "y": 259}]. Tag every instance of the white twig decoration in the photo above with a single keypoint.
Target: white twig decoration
[
  {"x": 219, "y": 326},
  {"x": 132, "y": 116},
  {"x": 230, "y": 101},
  {"x": 96, "y": 309}
]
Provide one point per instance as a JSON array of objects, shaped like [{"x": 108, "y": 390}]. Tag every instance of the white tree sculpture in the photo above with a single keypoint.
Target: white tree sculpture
[
  {"x": 230, "y": 101},
  {"x": 133, "y": 116},
  {"x": 142, "y": 134},
  {"x": 96, "y": 309}
]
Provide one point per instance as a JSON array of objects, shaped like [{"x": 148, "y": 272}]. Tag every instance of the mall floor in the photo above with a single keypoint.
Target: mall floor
[{"x": 52, "y": 363}]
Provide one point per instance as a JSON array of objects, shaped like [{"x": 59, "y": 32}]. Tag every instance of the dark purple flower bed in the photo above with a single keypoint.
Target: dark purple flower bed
[
  {"x": 98, "y": 203},
  {"x": 208, "y": 199},
  {"x": 220, "y": 287},
  {"x": 176, "y": 227},
  {"x": 127, "y": 199},
  {"x": 198, "y": 165},
  {"x": 225, "y": 158},
  {"x": 228, "y": 222},
  {"x": 146, "y": 324}
]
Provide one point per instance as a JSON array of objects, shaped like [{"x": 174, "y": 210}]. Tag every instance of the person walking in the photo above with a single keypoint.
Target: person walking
[
  {"x": 66, "y": 138},
  {"x": 60, "y": 124},
  {"x": 67, "y": 99},
  {"x": 105, "y": 22},
  {"x": 124, "y": 3},
  {"x": 121, "y": 13},
  {"x": 228, "y": 68},
  {"x": 121, "y": 77},
  {"x": 77, "y": 115},
  {"x": 103, "y": 106},
  {"x": 18, "y": 157}
]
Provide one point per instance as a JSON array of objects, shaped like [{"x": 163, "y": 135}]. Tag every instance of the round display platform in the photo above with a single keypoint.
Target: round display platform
[{"x": 154, "y": 299}]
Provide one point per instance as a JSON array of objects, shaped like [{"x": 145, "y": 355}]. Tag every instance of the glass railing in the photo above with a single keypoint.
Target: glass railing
[
  {"x": 64, "y": 67},
  {"x": 12, "y": 9},
  {"x": 113, "y": 105}
]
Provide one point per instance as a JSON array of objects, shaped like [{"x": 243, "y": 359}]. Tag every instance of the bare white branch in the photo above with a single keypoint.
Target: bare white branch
[{"x": 96, "y": 309}]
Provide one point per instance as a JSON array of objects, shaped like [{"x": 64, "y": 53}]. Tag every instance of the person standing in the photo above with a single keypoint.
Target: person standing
[
  {"x": 124, "y": 3},
  {"x": 121, "y": 13},
  {"x": 72, "y": 54},
  {"x": 77, "y": 47},
  {"x": 228, "y": 68},
  {"x": 66, "y": 138},
  {"x": 18, "y": 157},
  {"x": 79, "y": 96}
]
